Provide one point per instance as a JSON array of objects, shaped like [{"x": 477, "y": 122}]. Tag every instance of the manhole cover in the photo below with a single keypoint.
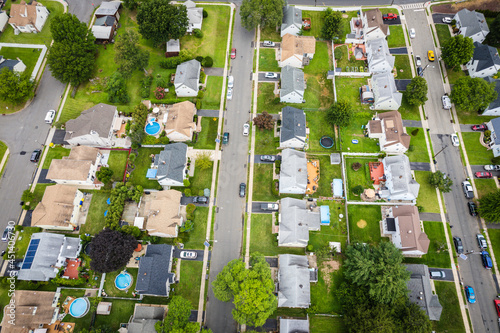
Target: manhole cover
[{"x": 23, "y": 153}]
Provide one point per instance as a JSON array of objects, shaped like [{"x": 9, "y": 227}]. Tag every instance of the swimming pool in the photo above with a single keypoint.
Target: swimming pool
[
  {"x": 79, "y": 307},
  {"x": 152, "y": 128},
  {"x": 123, "y": 281}
]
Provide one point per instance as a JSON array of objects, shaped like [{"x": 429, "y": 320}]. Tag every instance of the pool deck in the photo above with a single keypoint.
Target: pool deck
[{"x": 59, "y": 327}]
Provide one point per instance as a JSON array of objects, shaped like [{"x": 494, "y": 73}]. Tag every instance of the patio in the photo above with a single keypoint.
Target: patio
[
  {"x": 376, "y": 172},
  {"x": 71, "y": 270},
  {"x": 60, "y": 327},
  {"x": 312, "y": 176}
]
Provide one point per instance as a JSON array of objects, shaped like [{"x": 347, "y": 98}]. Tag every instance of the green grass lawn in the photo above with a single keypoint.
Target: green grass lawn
[
  {"x": 263, "y": 183},
  {"x": 354, "y": 131},
  {"x": 322, "y": 324},
  {"x": 267, "y": 100},
  {"x": 346, "y": 61},
  {"x": 419, "y": 154},
  {"x": 318, "y": 127},
  {"x": 335, "y": 232},
  {"x": 443, "y": 33},
  {"x": 408, "y": 111},
  {"x": 265, "y": 142},
  {"x": 28, "y": 56},
  {"x": 142, "y": 164},
  {"x": 346, "y": 28},
  {"x": 322, "y": 62},
  {"x": 495, "y": 241},
  {"x": 190, "y": 281},
  {"x": 265, "y": 242},
  {"x": 451, "y": 317},
  {"x": 454, "y": 75},
  {"x": 211, "y": 98},
  {"x": 95, "y": 219},
  {"x": 402, "y": 64},
  {"x": 364, "y": 224},
  {"x": 195, "y": 238},
  {"x": 267, "y": 61},
  {"x": 57, "y": 153},
  {"x": 3, "y": 149},
  {"x": 427, "y": 197},
  {"x": 437, "y": 255},
  {"x": 208, "y": 134},
  {"x": 396, "y": 37},
  {"x": 318, "y": 94},
  {"x": 348, "y": 89},
  {"x": 201, "y": 180},
  {"x": 23, "y": 241},
  {"x": 121, "y": 311},
  {"x": 270, "y": 33},
  {"x": 322, "y": 296},
  {"x": 360, "y": 177},
  {"x": 38, "y": 194},
  {"x": 109, "y": 284},
  {"x": 476, "y": 153},
  {"x": 485, "y": 186},
  {"x": 327, "y": 173},
  {"x": 317, "y": 22},
  {"x": 472, "y": 117},
  {"x": 117, "y": 162}
]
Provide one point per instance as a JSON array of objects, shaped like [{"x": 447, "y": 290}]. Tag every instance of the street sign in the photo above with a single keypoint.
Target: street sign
[
  {"x": 207, "y": 244},
  {"x": 463, "y": 256}
]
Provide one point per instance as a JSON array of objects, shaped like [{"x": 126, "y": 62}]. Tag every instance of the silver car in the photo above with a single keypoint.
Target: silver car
[
  {"x": 188, "y": 255},
  {"x": 229, "y": 93}
]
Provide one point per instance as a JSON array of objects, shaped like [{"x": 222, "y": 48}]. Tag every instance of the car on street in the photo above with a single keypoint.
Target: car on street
[
  {"x": 480, "y": 127},
  {"x": 243, "y": 189},
  {"x": 188, "y": 255},
  {"x": 412, "y": 33},
  {"x": 267, "y": 158},
  {"x": 497, "y": 306},
  {"x": 446, "y": 20},
  {"x": 35, "y": 155},
  {"x": 389, "y": 17},
  {"x": 437, "y": 274},
  {"x": 467, "y": 188},
  {"x": 472, "y": 208},
  {"x": 483, "y": 174},
  {"x": 246, "y": 129},
  {"x": 225, "y": 138},
  {"x": 230, "y": 81},
  {"x": 491, "y": 167},
  {"x": 271, "y": 75},
  {"x": 268, "y": 43},
  {"x": 481, "y": 242},
  {"x": 6, "y": 233},
  {"x": 200, "y": 199},
  {"x": 233, "y": 53},
  {"x": 229, "y": 93},
  {"x": 418, "y": 61},
  {"x": 469, "y": 293},
  {"x": 430, "y": 55},
  {"x": 458, "y": 245},
  {"x": 420, "y": 71},
  {"x": 487, "y": 263},
  {"x": 445, "y": 99},
  {"x": 49, "y": 117},
  {"x": 454, "y": 140}
]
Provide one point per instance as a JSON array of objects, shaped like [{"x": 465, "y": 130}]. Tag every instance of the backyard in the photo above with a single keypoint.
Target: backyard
[
  {"x": 142, "y": 164},
  {"x": 322, "y": 324},
  {"x": 353, "y": 139},
  {"x": 348, "y": 89},
  {"x": 347, "y": 60},
  {"x": 361, "y": 177},
  {"x": 418, "y": 148},
  {"x": 189, "y": 281},
  {"x": 327, "y": 173},
  {"x": 427, "y": 197},
  {"x": 318, "y": 127},
  {"x": 317, "y": 22},
  {"x": 267, "y": 61},
  {"x": 364, "y": 224},
  {"x": 117, "y": 162},
  {"x": 335, "y": 232},
  {"x": 113, "y": 291},
  {"x": 437, "y": 255},
  {"x": 330, "y": 278},
  {"x": 95, "y": 219}
]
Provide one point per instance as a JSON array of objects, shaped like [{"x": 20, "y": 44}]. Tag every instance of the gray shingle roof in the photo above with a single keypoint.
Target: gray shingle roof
[
  {"x": 154, "y": 270},
  {"x": 398, "y": 176},
  {"x": 486, "y": 56},
  {"x": 495, "y": 123},
  {"x": 294, "y": 325},
  {"x": 292, "y": 79},
  {"x": 296, "y": 221},
  {"x": 384, "y": 88},
  {"x": 145, "y": 318},
  {"x": 105, "y": 21},
  {"x": 496, "y": 103},
  {"x": 98, "y": 118},
  {"x": 294, "y": 289},
  {"x": 8, "y": 63},
  {"x": 171, "y": 162},
  {"x": 188, "y": 74},
  {"x": 474, "y": 21},
  {"x": 291, "y": 16},
  {"x": 293, "y": 124},
  {"x": 108, "y": 8},
  {"x": 420, "y": 291},
  {"x": 293, "y": 170}
]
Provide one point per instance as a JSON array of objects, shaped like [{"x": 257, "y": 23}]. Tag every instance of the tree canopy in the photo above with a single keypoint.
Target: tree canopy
[
  {"x": 457, "y": 51},
  {"x": 493, "y": 37},
  {"x": 441, "y": 181},
  {"x": 128, "y": 55},
  {"x": 111, "y": 250},
  {"x": 489, "y": 207},
  {"x": 15, "y": 87},
  {"x": 267, "y": 13},
  {"x": 177, "y": 319},
  {"x": 264, "y": 121},
  {"x": 251, "y": 290},
  {"x": 472, "y": 94},
  {"x": 416, "y": 91},
  {"x": 332, "y": 25},
  {"x": 161, "y": 21},
  {"x": 340, "y": 113},
  {"x": 116, "y": 87}
]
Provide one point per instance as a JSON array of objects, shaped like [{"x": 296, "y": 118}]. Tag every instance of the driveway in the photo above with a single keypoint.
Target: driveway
[
  {"x": 393, "y": 22},
  {"x": 188, "y": 200},
  {"x": 420, "y": 166},
  {"x": 256, "y": 208},
  {"x": 262, "y": 77},
  {"x": 213, "y": 71},
  {"x": 257, "y": 159},
  {"x": 467, "y": 128},
  {"x": 199, "y": 257},
  {"x": 398, "y": 50},
  {"x": 448, "y": 274},
  {"x": 412, "y": 123},
  {"x": 208, "y": 113},
  {"x": 438, "y": 18}
]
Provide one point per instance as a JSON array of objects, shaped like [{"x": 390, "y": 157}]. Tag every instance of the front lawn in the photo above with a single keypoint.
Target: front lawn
[
  {"x": 190, "y": 281},
  {"x": 335, "y": 232},
  {"x": 201, "y": 180},
  {"x": 267, "y": 61},
  {"x": 364, "y": 224},
  {"x": 263, "y": 183},
  {"x": 485, "y": 186},
  {"x": 495, "y": 241},
  {"x": 271, "y": 34},
  {"x": 443, "y": 33},
  {"x": 110, "y": 287},
  {"x": 403, "y": 69},
  {"x": 28, "y": 56},
  {"x": 360, "y": 177},
  {"x": 142, "y": 164},
  {"x": 317, "y": 22},
  {"x": 57, "y": 153},
  {"x": 38, "y": 194},
  {"x": 419, "y": 153},
  {"x": 195, "y": 238},
  {"x": 318, "y": 127},
  {"x": 265, "y": 142},
  {"x": 327, "y": 173},
  {"x": 396, "y": 37},
  {"x": 355, "y": 132},
  {"x": 437, "y": 255},
  {"x": 427, "y": 197},
  {"x": 477, "y": 153},
  {"x": 267, "y": 100},
  {"x": 212, "y": 94},
  {"x": 3, "y": 149},
  {"x": 117, "y": 162},
  {"x": 322, "y": 292},
  {"x": 23, "y": 241},
  {"x": 451, "y": 317},
  {"x": 348, "y": 89},
  {"x": 322, "y": 324},
  {"x": 95, "y": 221},
  {"x": 472, "y": 117},
  {"x": 409, "y": 112},
  {"x": 208, "y": 134},
  {"x": 454, "y": 75}
]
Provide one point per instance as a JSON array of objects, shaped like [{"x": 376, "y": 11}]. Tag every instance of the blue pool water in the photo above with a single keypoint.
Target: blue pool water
[
  {"x": 152, "y": 128},
  {"x": 79, "y": 307},
  {"x": 123, "y": 281}
]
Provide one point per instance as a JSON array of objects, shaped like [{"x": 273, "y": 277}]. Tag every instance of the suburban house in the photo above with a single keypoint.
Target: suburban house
[
  {"x": 79, "y": 168},
  {"x": 296, "y": 219},
  {"x": 484, "y": 62},
  {"x": 4, "y": 20},
  {"x": 294, "y": 290},
  {"x": 99, "y": 126},
  {"x": 17, "y": 66},
  {"x": 293, "y": 325},
  {"x": 28, "y": 18},
  {"x": 402, "y": 225},
  {"x": 297, "y": 51},
  {"x": 195, "y": 16},
  {"x": 387, "y": 127},
  {"x": 145, "y": 317},
  {"x": 379, "y": 57},
  {"x": 187, "y": 79},
  {"x": 108, "y": 8},
  {"x": 59, "y": 208},
  {"x": 420, "y": 291},
  {"x": 292, "y": 85},
  {"x": 293, "y": 128},
  {"x": 494, "y": 126},
  {"x": 472, "y": 24},
  {"x": 385, "y": 93},
  {"x": 104, "y": 28},
  {"x": 155, "y": 271},
  {"x": 293, "y": 175},
  {"x": 399, "y": 184},
  {"x": 169, "y": 166},
  {"x": 373, "y": 25},
  {"x": 494, "y": 108},
  {"x": 162, "y": 211},
  {"x": 173, "y": 48},
  {"x": 32, "y": 308},
  {"x": 46, "y": 254},
  {"x": 178, "y": 121},
  {"x": 292, "y": 21}
]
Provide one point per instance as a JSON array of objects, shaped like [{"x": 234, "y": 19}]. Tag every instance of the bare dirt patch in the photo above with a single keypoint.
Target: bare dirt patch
[
  {"x": 361, "y": 224},
  {"x": 327, "y": 268},
  {"x": 470, "y": 5}
]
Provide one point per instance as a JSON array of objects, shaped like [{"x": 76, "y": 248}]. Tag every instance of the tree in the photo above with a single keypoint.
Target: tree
[
  {"x": 251, "y": 290},
  {"x": 416, "y": 91},
  {"x": 489, "y": 208},
  {"x": 27, "y": 196},
  {"x": 267, "y": 13},
  {"x": 457, "y": 51},
  {"x": 130, "y": 4},
  {"x": 72, "y": 56},
  {"x": 104, "y": 174},
  {"x": 340, "y": 114},
  {"x": 177, "y": 319},
  {"x": 15, "y": 87},
  {"x": 117, "y": 89},
  {"x": 264, "y": 121},
  {"x": 411, "y": 318},
  {"x": 203, "y": 160},
  {"x": 129, "y": 56},
  {"x": 111, "y": 250},
  {"x": 161, "y": 21},
  {"x": 493, "y": 37},
  {"x": 472, "y": 94},
  {"x": 333, "y": 24},
  {"x": 441, "y": 181}
]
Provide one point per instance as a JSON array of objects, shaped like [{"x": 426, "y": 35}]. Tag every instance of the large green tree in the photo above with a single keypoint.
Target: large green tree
[
  {"x": 472, "y": 94},
  {"x": 332, "y": 25},
  {"x": 489, "y": 207},
  {"x": 416, "y": 91},
  {"x": 251, "y": 290},
  {"x": 493, "y": 37},
  {"x": 177, "y": 319},
  {"x": 117, "y": 89},
  {"x": 128, "y": 55},
  {"x": 441, "y": 181},
  {"x": 457, "y": 51},
  {"x": 15, "y": 87},
  {"x": 111, "y": 250},
  {"x": 161, "y": 21},
  {"x": 340, "y": 113},
  {"x": 72, "y": 56},
  {"x": 267, "y": 13}
]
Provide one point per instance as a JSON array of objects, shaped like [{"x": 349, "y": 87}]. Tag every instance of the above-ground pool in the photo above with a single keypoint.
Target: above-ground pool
[
  {"x": 123, "y": 281},
  {"x": 152, "y": 128},
  {"x": 326, "y": 142},
  {"x": 79, "y": 307}
]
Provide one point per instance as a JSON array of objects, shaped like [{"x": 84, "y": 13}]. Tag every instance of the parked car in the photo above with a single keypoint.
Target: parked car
[
  {"x": 267, "y": 158},
  {"x": 430, "y": 55},
  {"x": 35, "y": 155},
  {"x": 233, "y": 53},
  {"x": 200, "y": 200},
  {"x": 246, "y": 129},
  {"x": 420, "y": 71},
  {"x": 188, "y": 255},
  {"x": 437, "y": 274},
  {"x": 389, "y": 17},
  {"x": 49, "y": 117},
  {"x": 412, "y": 33},
  {"x": 229, "y": 93},
  {"x": 481, "y": 242},
  {"x": 483, "y": 174},
  {"x": 270, "y": 75},
  {"x": 418, "y": 61},
  {"x": 467, "y": 188},
  {"x": 446, "y": 20},
  {"x": 454, "y": 140},
  {"x": 446, "y": 102},
  {"x": 487, "y": 263},
  {"x": 469, "y": 293},
  {"x": 269, "y": 206},
  {"x": 480, "y": 127},
  {"x": 492, "y": 167},
  {"x": 6, "y": 233},
  {"x": 472, "y": 208},
  {"x": 243, "y": 189},
  {"x": 230, "y": 81},
  {"x": 497, "y": 306},
  {"x": 225, "y": 138},
  {"x": 268, "y": 43},
  {"x": 458, "y": 245}
]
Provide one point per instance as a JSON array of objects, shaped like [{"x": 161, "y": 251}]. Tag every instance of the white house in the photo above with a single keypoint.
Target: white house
[
  {"x": 484, "y": 62},
  {"x": 178, "y": 121},
  {"x": 169, "y": 166},
  {"x": 472, "y": 24},
  {"x": 494, "y": 126},
  {"x": 17, "y": 66},
  {"x": 387, "y": 127},
  {"x": 293, "y": 128},
  {"x": 399, "y": 183},
  {"x": 373, "y": 25},
  {"x": 187, "y": 79},
  {"x": 4, "y": 20},
  {"x": 385, "y": 93},
  {"x": 295, "y": 221},
  {"x": 292, "y": 21},
  {"x": 378, "y": 56},
  {"x": 28, "y": 18},
  {"x": 293, "y": 174},
  {"x": 297, "y": 51},
  {"x": 292, "y": 85},
  {"x": 195, "y": 16},
  {"x": 494, "y": 108}
]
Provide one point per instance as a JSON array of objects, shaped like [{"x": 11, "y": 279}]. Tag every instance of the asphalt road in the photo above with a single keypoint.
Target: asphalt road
[{"x": 483, "y": 315}]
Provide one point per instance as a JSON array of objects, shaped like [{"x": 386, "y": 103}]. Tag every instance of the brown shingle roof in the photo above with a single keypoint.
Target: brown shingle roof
[
  {"x": 393, "y": 124},
  {"x": 297, "y": 45},
  {"x": 412, "y": 237},
  {"x": 374, "y": 19},
  {"x": 56, "y": 206},
  {"x": 163, "y": 211},
  {"x": 23, "y": 14},
  {"x": 76, "y": 166},
  {"x": 180, "y": 118},
  {"x": 375, "y": 126}
]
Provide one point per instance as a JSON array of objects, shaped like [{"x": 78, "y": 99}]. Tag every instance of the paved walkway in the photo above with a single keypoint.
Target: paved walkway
[
  {"x": 420, "y": 166},
  {"x": 398, "y": 50},
  {"x": 412, "y": 123},
  {"x": 208, "y": 113},
  {"x": 435, "y": 217}
]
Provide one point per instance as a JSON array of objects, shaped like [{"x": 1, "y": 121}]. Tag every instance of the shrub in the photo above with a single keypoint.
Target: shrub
[
  {"x": 487, "y": 133},
  {"x": 132, "y": 157},
  {"x": 199, "y": 58},
  {"x": 207, "y": 62},
  {"x": 357, "y": 190},
  {"x": 415, "y": 132},
  {"x": 190, "y": 208},
  {"x": 149, "y": 140},
  {"x": 338, "y": 53},
  {"x": 205, "y": 13},
  {"x": 187, "y": 226},
  {"x": 275, "y": 188},
  {"x": 27, "y": 196},
  {"x": 163, "y": 140},
  {"x": 160, "y": 82},
  {"x": 202, "y": 77},
  {"x": 197, "y": 33},
  {"x": 310, "y": 247},
  {"x": 146, "y": 86},
  {"x": 159, "y": 93},
  {"x": 198, "y": 104},
  {"x": 201, "y": 93},
  {"x": 172, "y": 62},
  {"x": 18, "y": 227},
  {"x": 356, "y": 166},
  {"x": 186, "y": 182},
  {"x": 187, "y": 192},
  {"x": 411, "y": 148}
]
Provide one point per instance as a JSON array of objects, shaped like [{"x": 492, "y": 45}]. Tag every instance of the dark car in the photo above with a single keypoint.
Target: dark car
[
  {"x": 233, "y": 53},
  {"x": 200, "y": 200},
  {"x": 267, "y": 158},
  {"x": 458, "y": 245},
  {"x": 480, "y": 127},
  {"x": 243, "y": 189},
  {"x": 225, "y": 138},
  {"x": 472, "y": 208},
  {"x": 483, "y": 174},
  {"x": 487, "y": 263},
  {"x": 420, "y": 71},
  {"x": 35, "y": 155},
  {"x": 6, "y": 233},
  {"x": 389, "y": 17}
]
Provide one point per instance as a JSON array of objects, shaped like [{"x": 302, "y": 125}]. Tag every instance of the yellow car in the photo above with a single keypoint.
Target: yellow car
[{"x": 430, "y": 55}]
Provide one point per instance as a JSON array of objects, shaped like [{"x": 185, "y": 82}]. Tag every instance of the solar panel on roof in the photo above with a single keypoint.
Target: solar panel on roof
[
  {"x": 30, "y": 253},
  {"x": 28, "y": 260},
  {"x": 35, "y": 241},
  {"x": 26, "y": 266}
]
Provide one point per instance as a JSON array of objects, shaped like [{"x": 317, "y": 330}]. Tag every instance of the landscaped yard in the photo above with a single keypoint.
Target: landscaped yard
[
  {"x": 476, "y": 153},
  {"x": 267, "y": 61},
  {"x": 427, "y": 197},
  {"x": 318, "y": 127},
  {"x": 322, "y": 292},
  {"x": 95, "y": 219},
  {"x": 121, "y": 311},
  {"x": 142, "y": 164},
  {"x": 56, "y": 152},
  {"x": 265, "y": 142},
  {"x": 396, "y": 37},
  {"x": 451, "y": 317},
  {"x": 208, "y": 134},
  {"x": 403, "y": 69},
  {"x": 322, "y": 324},
  {"x": 327, "y": 173},
  {"x": 419, "y": 153},
  {"x": 263, "y": 183},
  {"x": 485, "y": 186},
  {"x": 117, "y": 162},
  {"x": 348, "y": 89},
  {"x": 110, "y": 287},
  {"x": 346, "y": 61},
  {"x": 28, "y": 56},
  {"x": 190, "y": 281},
  {"x": 211, "y": 97},
  {"x": 359, "y": 177},
  {"x": 364, "y": 224},
  {"x": 355, "y": 132},
  {"x": 437, "y": 255},
  {"x": 335, "y": 232},
  {"x": 195, "y": 238},
  {"x": 443, "y": 33}
]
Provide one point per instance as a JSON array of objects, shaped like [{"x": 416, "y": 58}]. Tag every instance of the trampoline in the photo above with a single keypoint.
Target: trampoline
[{"x": 326, "y": 142}]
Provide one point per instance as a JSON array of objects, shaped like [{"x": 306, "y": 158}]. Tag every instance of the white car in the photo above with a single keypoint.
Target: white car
[
  {"x": 229, "y": 93},
  {"x": 188, "y": 255},
  {"x": 492, "y": 167},
  {"x": 446, "y": 19},
  {"x": 418, "y": 61},
  {"x": 446, "y": 102},
  {"x": 49, "y": 117},
  {"x": 412, "y": 33},
  {"x": 230, "y": 81},
  {"x": 270, "y": 75},
  {"x": 268, "y": 43},
  {"x": 454, "y": 140},
  {"x": 246, "y": 129}
]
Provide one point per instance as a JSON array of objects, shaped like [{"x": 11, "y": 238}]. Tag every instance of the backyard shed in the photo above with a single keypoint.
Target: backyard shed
[
  {"x": 337, "y": 187},
  {"x": 325, "y": 215},
  {"x": 104, "y": 308},
  {"x": 335, "y": 158}
]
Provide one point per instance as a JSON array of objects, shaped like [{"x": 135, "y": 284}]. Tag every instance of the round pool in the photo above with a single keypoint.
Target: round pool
[
  {"x": 152, "y": 128},
  {"x": 79, "y": 307},
  {"x": 123, "y": 281},
  {"x": 326, "y": 142}
]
